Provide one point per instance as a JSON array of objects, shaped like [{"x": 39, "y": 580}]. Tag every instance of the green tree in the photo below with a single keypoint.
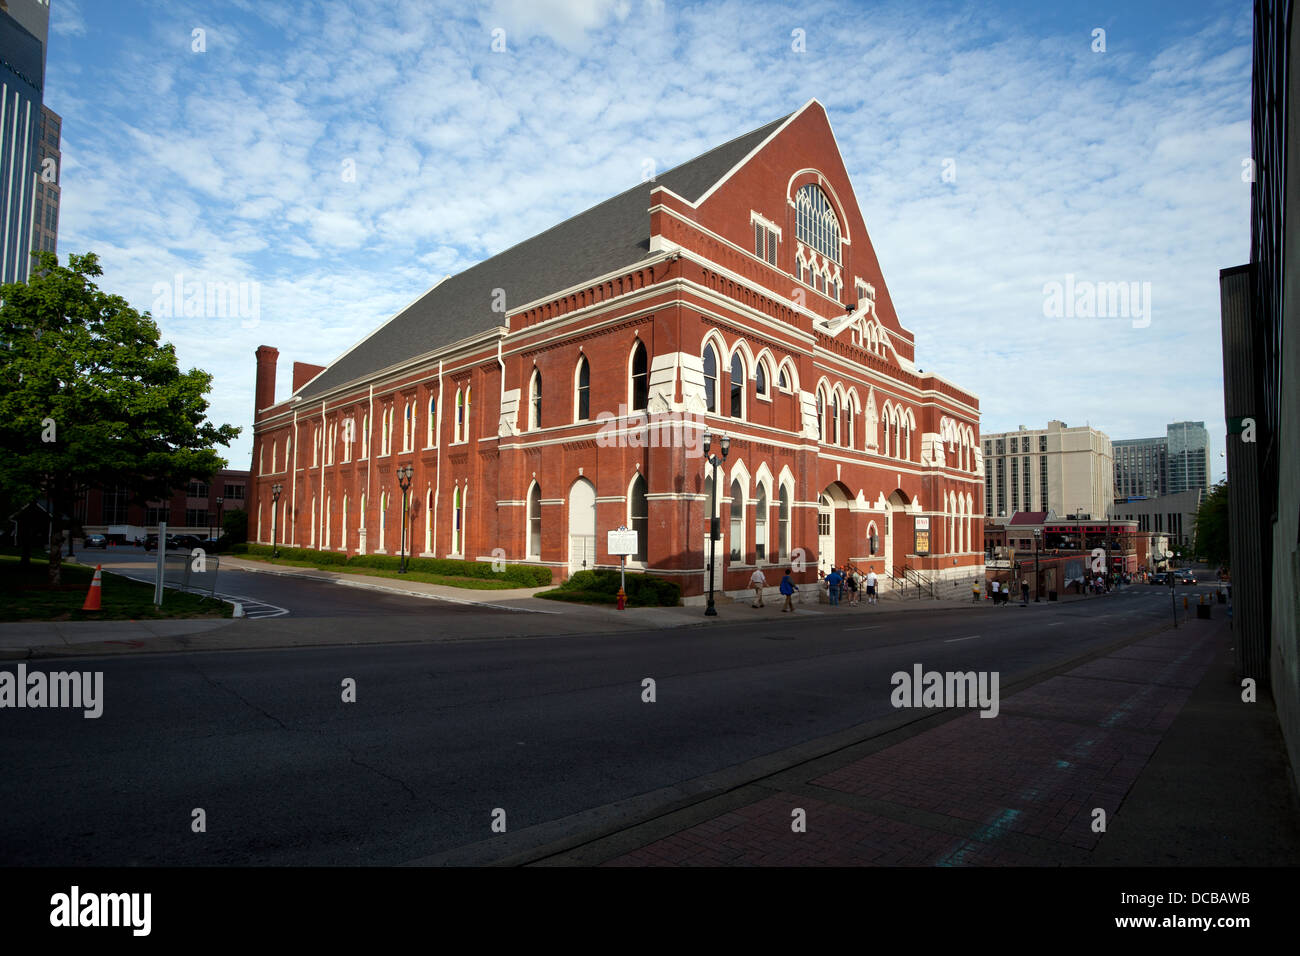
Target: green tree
[
  {"x": 1212, "y": 526},
  {"x": 90, "y": 396},
  {"x": 235, "y": 524}
]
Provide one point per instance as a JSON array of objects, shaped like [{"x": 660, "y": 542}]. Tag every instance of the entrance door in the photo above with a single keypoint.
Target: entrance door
[
  {"x": 825, "y": 533},
  {"x": 582, "y": 526}
]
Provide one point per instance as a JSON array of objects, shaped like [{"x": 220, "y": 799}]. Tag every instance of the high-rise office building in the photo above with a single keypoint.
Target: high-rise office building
[
  {"x": 25, "y": 132},
  {"x": 1060, "y": 469},
  {"x": 45, "y": 212},
  {"x": 1141, "y": 467},
  {"x": 1177, "y": 462},
  {"x": 1189, "y": 456}
]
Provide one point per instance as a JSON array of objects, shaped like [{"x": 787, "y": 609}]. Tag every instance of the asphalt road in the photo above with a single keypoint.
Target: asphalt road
[
  {"x": 266, "y": 594},
  {"x": 443, "y": 734}
]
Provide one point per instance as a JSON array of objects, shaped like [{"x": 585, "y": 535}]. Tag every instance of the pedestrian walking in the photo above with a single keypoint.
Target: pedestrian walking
[
  {"x": 1024, "y": 594},
  {"x": 787, "y": 587},
  {"x": 872, "y": 585},
  {"x": 995, "y": 594},
  {"x": 851, "y": 585},
  {"x": 757, "y": 581},
  {"x": 975, "y": 590}
]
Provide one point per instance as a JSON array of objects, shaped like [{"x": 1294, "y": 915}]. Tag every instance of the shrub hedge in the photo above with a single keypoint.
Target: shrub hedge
[
  {"x": 601, "y": 587},
  {"x": 525, "y": 575}
]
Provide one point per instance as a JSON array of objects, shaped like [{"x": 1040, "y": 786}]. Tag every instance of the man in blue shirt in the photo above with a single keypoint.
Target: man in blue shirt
[{"x": 833, "y": 582}]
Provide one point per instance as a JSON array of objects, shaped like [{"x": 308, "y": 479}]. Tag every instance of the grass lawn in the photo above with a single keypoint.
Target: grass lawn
[
  {"x": 25, "y": 596},
  {"x": 424, "y": 577}
]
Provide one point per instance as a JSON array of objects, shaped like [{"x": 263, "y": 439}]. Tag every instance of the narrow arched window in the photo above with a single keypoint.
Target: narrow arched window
[
  {"x": 760, "y": 380},
  {"x": 460, "y": 416},
  {"x": 821, "y": 411},
  {"x": 639, "y": 516},
  {"x": 760, "y": 525},
  {"x": 783, "y": 525},
  {"x": 834, "y": 426},
  {"x": 737, "y": 386},
  {"x": 710, "y": 379},
  {"x": 535, "y": 523},
  {"x": 737, "y": 542},
  {"x": 535, "y": 400},
  {"x": 584, "y": 389},
  {"x": 640, "y": 378},
  {"x": 781, "y": 380}
]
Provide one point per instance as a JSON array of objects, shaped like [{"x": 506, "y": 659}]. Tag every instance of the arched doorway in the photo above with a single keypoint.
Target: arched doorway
[
  {"x": 582, "y": 526},
  {"x": 830, "y": 501},
  {"x": 896, "y": 543}
]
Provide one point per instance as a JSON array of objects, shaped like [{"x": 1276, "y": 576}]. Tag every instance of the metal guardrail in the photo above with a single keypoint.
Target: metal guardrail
[{"x": 185, "y": 571}]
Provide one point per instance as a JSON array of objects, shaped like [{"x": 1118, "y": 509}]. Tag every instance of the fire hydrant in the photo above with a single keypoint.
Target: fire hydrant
[{"x": 622, "y": 599}]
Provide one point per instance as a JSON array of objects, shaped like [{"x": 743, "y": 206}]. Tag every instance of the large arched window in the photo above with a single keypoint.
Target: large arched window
[
  {"x": 584, "y": 389},
  {"x": 638, "y": 512},
  {"x": 640, "y": 378},
  {"x": 737, "y": 386},
  {"x": 710, "y": 379},
  {"x": 535, "y": 522},
  {"x": 816, "y": 225},
  {"x": 535, "y": 400}
]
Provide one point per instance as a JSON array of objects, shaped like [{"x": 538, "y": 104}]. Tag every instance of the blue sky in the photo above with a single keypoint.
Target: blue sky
[{"x": 341, "y": 157}]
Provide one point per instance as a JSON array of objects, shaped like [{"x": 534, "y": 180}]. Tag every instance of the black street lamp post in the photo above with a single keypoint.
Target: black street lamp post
[
  {"x": 715, "y": 461},
  {"x": 404, "y": 473},
  {"x": 276, "y": 489},
  {"x": 220, "y": 506},
  {"x": 1038, "y": 581}
]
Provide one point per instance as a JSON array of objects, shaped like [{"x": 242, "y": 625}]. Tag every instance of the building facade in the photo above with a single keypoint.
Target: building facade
[
  {"x": 562, "y": 389},
  {"x": 45, "y": 210},
  {"x": 197, "y": 508},
  {"x": 1261, "y": 382},
  {"x": 22, "y": 80},
  {"x": 1059, "y": 469},
  {"x": 1171, "y": 515},
  {"x": 1141, "y": 467},
  {"x": 1189, "y": 457}
]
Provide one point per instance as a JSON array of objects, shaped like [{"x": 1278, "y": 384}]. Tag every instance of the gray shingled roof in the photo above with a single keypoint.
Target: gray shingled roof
[{"x": 609, "y": 236}]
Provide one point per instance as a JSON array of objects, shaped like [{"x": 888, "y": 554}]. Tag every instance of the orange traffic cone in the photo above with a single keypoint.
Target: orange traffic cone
[{"x": 92, "y": 596}]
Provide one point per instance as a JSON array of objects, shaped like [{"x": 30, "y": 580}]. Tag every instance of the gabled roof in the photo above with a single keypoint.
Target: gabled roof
[
  {"x": 1029, "y": 517},
  {"x": 607, "y": 237}
]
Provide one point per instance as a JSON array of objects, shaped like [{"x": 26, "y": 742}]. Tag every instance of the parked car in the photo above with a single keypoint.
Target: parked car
[{"x": 95, "y": 541}]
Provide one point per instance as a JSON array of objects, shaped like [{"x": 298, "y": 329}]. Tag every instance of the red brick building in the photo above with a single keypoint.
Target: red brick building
[{"x": 561, "y": 389}]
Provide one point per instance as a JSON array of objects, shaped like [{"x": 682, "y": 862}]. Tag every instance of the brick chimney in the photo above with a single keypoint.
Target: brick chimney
[
  {"x": 304, "y": 373},
  {"x": 264, "y": 390}
]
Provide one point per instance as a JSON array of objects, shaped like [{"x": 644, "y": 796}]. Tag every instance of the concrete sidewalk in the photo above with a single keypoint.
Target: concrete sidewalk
[{"x": 1153, "y": 733}]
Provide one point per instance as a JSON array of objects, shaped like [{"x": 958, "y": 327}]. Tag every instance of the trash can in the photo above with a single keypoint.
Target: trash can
[
  {"x": 1203, "y": 612},
  {"x": 1051, "y": 595}
]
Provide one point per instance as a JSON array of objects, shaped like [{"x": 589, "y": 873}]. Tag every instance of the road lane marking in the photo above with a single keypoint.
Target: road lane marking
[
  {"x": 1054, "y": 624},
  {"x": 954, "y": 640},
  {"x": 869, "y": 627}
]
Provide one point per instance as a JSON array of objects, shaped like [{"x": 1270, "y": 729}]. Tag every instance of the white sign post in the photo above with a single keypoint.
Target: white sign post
[{"x": 622, "y": 542}]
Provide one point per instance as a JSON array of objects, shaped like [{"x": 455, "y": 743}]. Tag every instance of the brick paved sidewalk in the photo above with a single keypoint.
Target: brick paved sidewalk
[{"x": 1018, "y": 789}]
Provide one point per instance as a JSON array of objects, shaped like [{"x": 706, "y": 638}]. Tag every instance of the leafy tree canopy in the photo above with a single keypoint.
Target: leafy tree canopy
[
  {"x": 91, "y": 397},
  {"x": 1212, "y": 526}
]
